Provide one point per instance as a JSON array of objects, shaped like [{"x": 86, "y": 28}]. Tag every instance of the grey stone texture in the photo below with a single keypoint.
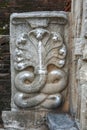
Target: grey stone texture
[
  {"x": 79, "y": 64},
  {"x": 24, "y": 120},
  {"x": 61, "y": 122},
  {"x": 39, "y": 67},
  {"x": 46, "y": 49}
]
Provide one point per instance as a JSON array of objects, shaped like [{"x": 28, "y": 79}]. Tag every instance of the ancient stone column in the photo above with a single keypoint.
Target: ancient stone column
[
  {"x": 39, "y": 68},
  {"x": 79, "y": 28}
]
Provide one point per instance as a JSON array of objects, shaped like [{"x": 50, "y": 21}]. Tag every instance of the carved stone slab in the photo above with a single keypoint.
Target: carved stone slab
[
  {"x": 38, "y": 59},
  {"x": 39, "y": 65}
]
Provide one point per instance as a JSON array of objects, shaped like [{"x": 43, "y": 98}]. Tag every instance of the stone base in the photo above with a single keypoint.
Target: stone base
[
  {"x": 24, "y": 120},
  {"x": 60, "y": 122},
  {"x": 33, "y": 120}
]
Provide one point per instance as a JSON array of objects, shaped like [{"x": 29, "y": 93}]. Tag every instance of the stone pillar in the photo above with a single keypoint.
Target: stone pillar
[
  {"x": 76, "y": 52},
  {"x": 39, "y": 68},
  {"x": 79, "y": 20}
]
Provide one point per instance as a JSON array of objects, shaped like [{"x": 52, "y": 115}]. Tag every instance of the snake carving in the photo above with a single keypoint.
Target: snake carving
[{"x": 41, "y": 87}]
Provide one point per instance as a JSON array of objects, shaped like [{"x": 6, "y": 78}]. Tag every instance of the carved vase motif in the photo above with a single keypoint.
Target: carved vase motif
[
  {"x": 39, "y": 68},
  {"x": 39, "y": 58}
]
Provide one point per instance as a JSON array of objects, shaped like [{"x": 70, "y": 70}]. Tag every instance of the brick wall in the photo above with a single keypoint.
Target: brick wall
[
  {"x": 9, "y": 6},
  {"x": 6, "y": 8}
]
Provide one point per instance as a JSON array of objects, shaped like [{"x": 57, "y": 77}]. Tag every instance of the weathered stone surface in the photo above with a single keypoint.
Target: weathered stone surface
[
  {"x": 79, "y": 68},
  {"x": 60, "y": 122},
  {"x": 24, "y": 120},
  {"x": 32, "y": 35},
  {"x": 83, "y": 121},
  {"x": 6, "y": 8},
  {"x": 38, "y": 81},
  {"x": 39, "y": 66}
]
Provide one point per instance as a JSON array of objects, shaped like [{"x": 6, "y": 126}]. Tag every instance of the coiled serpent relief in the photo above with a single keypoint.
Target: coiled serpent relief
[{"x": 41, "y": 87}]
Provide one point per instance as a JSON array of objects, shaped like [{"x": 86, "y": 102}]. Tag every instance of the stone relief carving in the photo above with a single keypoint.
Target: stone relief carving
[
  {"x": 39, "y": 49},
  {"x": 39, "y": 68}
]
